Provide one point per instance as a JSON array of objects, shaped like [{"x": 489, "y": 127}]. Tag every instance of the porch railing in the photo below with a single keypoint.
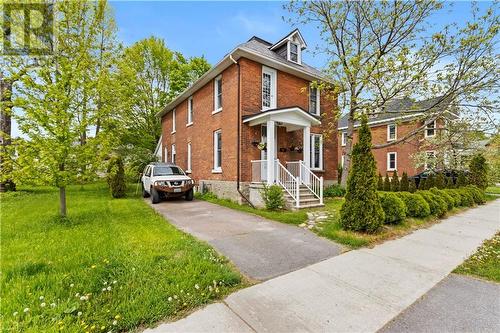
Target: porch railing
[
  {"x": 311, "y": 181},
  {"x": 259, "y": 171},
  {"x": 290, "y": 183}
]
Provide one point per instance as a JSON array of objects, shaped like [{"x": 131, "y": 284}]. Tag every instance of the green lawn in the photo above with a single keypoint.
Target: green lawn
[
  {"x": 485, "y": 263},
  {"x": 114, "y": 264},
  {"x": 493, "y": 189}
]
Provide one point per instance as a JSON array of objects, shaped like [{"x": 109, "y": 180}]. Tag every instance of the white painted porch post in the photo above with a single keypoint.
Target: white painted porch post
[
  {"x": 270, "y": 151},
  {"x": 306, "y": 146}
]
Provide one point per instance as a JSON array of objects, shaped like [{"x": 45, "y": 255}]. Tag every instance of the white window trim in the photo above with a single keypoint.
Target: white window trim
[
  {"x": 316, "y": 112},
  {"x": 188, "y": 170},
  {"x": 216, "y": 169},
  {"x": 312, "y": 156},
  {"x": 190, "y": 112},
  {"x": 426, "y": 166},
  {"x": 342, "y": 161},
  {"x": 274, "y": 88},
  {"x": 389, "y": 132},
  {"x": 219, "y": 109},
  {"x": 389, "y": 161},
  {"x": 289, "y": 54},
  {"x": 165, "y": 157},
  {"x": 426, "y": 129},
  {"x": 173, "y": 121},
  {"x": 173, "y": 153},
  {"x": 343, "y": 139}
]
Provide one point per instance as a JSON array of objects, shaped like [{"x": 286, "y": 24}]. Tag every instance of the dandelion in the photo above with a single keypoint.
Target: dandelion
[
  {"x": 109, "y": 288},
  {"x": 103, "y": 289},
  {"x": 83, "y": 298},
  {"x": 103, "y": 328},
  {"x": 79, "y": 313},
  {"x": 93, "y": 266},
  {"x": 41, "y": 298},
  {"x": 185, "y": 303},
  {"x": 196, "y": 286},
  {"x": 72, "y": 285},
  {"x": 170, "y": 299},
  {"x": 117, "y": 317},
  {"x": 14, "y": 314},
  {"x": 115, "y": 322},
  {"x": 105, "y": 282},
  {"x": 26, "y": 310},
  {"x": 43, "y": 305},
  {"x": 92, "y": 327}
]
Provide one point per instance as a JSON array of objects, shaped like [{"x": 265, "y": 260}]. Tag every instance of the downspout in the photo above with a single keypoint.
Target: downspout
[{"x": 238, "y": 145}]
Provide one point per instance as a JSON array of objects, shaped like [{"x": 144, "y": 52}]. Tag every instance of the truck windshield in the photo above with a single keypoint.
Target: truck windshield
[{"x": 167, "y": 171}]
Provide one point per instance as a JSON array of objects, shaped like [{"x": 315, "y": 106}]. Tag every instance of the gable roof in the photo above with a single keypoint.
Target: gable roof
[
  {"x": 256, "y": 49},
  {"x": 296, "y": 31},
  {"x": 399, "y": 109}
]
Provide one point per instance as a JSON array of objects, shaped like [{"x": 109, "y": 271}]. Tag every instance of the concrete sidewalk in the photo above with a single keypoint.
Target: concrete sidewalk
[{"x": 359, "y": 291}]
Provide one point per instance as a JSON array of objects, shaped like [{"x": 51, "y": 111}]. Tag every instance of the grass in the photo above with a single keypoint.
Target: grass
[
  {"x": 493, "y": 189},
  {"x": 112, "y": 265},
  {"x": 485, "y": 263}
]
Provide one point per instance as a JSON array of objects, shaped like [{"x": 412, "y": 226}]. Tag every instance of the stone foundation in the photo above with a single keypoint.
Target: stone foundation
[{"x": 225, "y": 189}]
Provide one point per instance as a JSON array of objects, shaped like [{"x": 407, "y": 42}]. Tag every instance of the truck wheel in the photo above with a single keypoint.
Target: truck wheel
[
  {"x": 155, "y": 196},
  {"x": 145, "y": 194},
  {"x": 189, "y": 195}
]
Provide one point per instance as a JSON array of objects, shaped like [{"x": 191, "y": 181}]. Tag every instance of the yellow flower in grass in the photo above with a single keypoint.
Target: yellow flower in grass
[{"x": 117, "y": 317}]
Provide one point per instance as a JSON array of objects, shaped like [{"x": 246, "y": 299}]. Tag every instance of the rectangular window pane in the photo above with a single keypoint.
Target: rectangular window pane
[
  {"x": 313, "y": 100},
  {"x": 217, "y": 150},
  {"x": 189, "y": 156},
  {"x": 294, "y": 52},
  {"x": 266, "y": 90},
  {"x": 218, "y": 93},
  {"x": 190, "y": 110},
  {"x": 316, "y": 151}
]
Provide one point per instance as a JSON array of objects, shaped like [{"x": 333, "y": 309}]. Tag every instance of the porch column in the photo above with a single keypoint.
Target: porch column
[
  {"x": 306, "y": 146},
  {"x": 270, "y": 151}
]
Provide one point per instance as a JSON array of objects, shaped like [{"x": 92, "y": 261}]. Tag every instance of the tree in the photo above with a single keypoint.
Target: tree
[
  {"x": 154, "y": 75},
  {"x": 430, "y": 182},
  {"x": 478, "y": 171},
  {"x": 440, "y": 182},
  {"x": 422, "y": 185},
  {"x": 449, "y": 182},
  {"x": 58, "y": 100},
  {"x": 388, "y": 49},
  {"x": 404, "y": 184},
  {"x": 116, "y": 177},
  {"x": 412, "y": 186},
  {"x": 461, "y": 180},
  {"x": 361, "y": 210},
  {"x": 387, "y": 183},
  {"x": 395, "y": 181},
  {"x": 492, "y": 155},
  {"x": 380, "y": 183}
]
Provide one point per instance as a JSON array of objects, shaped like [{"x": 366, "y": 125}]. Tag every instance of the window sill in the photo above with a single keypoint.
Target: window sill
[
  {"x": 391, "y": 140},
  {"x": 217, "y": 171},
  {"x": 318, "y": 170},
  {"x": 189, "y": 124},
  {"x": 392, "y": 169},
  {"x": 217, "y": 111}
]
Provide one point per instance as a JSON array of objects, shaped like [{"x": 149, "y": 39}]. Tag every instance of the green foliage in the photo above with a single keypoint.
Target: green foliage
[
  {"x": 467, "y": 198},
  {"x": 395, "y": 182},
  {"x": 449, "y": 182},
  {"x": 380, "y": 183},
  {"x": 404, "y": 184},
  {"x": 387, "y": 183},
  {"x": 430, "y": 182},
  {"x": 273, "y": 197},
  {"x": 333, "y": 191},
  {"x": 421, "y": 184},
  {"x": 116, "y": 177},
  {"x": 437, "y": 205},
  {"x": 457, "y": 199},
  {"x": 412, "y": 187},
  {"x": 462, "y": 180},
  {"x": 477, "y": 194},
  {"x": 450, "y": 201},
  {"x": 340, "y": 170},
  {"x": 484, "y": 263},
  {"x": 394, "y": 208},
  {"x": 478, "y": 168},
  {"x": 361, "y": 210},
  {"x": 416, "y": 206},
  {"x": 440, "y": 181}
]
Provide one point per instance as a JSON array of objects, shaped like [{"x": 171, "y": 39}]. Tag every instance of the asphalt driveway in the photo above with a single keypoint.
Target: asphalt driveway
[{"x": 260, "y": 248}]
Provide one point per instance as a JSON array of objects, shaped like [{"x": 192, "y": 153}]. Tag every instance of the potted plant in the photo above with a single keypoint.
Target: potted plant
[{"x": 262, "y": 146}]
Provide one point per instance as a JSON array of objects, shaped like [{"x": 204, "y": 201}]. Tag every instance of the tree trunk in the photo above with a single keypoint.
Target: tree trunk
[
  {"x": 348, "y": 146},
  {"x": 5, "y": 131},
  {"x": 62, "y": 201}
]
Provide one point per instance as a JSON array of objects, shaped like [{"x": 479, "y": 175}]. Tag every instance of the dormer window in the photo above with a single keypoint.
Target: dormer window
[{"x": 294, "y": 52}]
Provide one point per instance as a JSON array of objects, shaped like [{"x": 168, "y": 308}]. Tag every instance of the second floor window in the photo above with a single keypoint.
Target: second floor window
[
  {"x": 391, "y": 132},
  {"x": 190, "y": 111},
  {"x": 268, "y": 88},
  {"x": 218, "y": 151},
  {"x": 294, "y": 52},
  {"x": 430, "y": 129},
  {"x": 218, "y": 94},
  {"x": 314, "y": 100}
]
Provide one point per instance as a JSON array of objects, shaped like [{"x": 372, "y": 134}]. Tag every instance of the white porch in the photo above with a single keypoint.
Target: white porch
[{"x": 301, "y": 186}]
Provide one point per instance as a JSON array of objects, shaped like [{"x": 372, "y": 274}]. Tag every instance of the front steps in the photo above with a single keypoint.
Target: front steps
[{"x": 307, "y": 199}]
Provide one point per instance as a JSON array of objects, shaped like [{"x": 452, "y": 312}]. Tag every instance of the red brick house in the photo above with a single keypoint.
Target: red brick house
[
  {"x": 400, "y": 117},
  {"x": 252, "y": 118}
]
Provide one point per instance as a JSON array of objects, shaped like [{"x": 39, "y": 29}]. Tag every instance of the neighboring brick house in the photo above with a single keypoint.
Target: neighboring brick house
[
  {"x": 400, "y": 117},
  {"x": 253, "y": 118}
]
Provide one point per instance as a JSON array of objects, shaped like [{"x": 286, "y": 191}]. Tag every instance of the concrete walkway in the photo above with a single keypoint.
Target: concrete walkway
[
  {"x": 359, "y": 291},
  {"x": 260, "y": 248}
]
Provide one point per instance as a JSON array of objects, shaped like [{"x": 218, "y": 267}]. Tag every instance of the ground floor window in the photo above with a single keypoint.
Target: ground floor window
[
  {"x": 218, "y": 150},
  {"x": 189, "y": 157},
  {"x": 316, "y": 151},
  {"x": 392, "y": 161}
]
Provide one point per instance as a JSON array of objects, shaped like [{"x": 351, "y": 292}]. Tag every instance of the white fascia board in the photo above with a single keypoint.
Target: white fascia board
[
  {"x": 382, "y": 121},
  {"x": 289, "y": 115}
]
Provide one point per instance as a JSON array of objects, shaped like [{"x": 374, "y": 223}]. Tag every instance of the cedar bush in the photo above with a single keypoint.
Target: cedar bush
[
  {"x": 450, "y": 202},
  {"x": 404, "y": 183},
  {"x": 273, "y": 197},
  {"x": 387, "y": 183},
  {"x": 416, "y": 206},
  {"x": 440, "y": 181},
  {"x": 457, "y": 199},
  {"x": 437, "y": 205},
  {"x": 334, "y": 191},
  {"x": 478, "y": 168},
  {"x": 461, "y": 180},
  {"x": 395, "y": 182},
  {"x": 466, "y": 196},
  {"x": 412, "y": 186},
  {"x": 449, "y": 182},
  {"x": 361, "y": 210},
  {"x": 477, "y": 194},
  {"x": 116, "y": 177},
  {"x": 394, "y": 208},
  {"x": 430, "y": 182},
  {"x": 421, "y": 184},
  {"x": 380, "y": 183}
]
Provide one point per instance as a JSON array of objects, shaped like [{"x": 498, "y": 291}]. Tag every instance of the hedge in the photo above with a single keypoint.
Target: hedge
[
  {"x": 457, "y": 199},
  {"x": 394, "y": 208},
  {"x": 437, "y": 204},
  {"x": 450, "y": 202},
  {"x": 467, "y": 197},
  {"x": 416, "y": 206},
  {"x": 333, "y": 191},
  {"x": 478, "y": 195}
]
